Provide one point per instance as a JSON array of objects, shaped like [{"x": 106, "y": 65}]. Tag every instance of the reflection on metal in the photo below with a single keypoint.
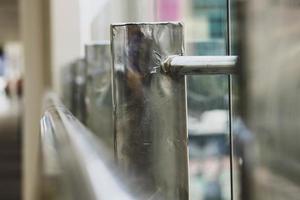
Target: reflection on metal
[
  {"x": 208, "y": 123},
  {"x": 76, "y": 165},
  {"x": 196, "y": 65},
  {"x": 150, "y": 109},
  {"x": 78, "y": 84},
  {"x": 98, "y": 91},
  {"x": 67, "y": 79}
]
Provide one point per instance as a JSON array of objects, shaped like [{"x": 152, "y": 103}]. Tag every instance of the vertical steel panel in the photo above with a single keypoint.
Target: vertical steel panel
[
  {"x": 98, "y": 91},
  {"x": 150, "y": 109}
]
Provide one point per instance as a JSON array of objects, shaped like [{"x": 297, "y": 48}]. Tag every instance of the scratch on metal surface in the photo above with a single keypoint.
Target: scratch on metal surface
[{"x": 157, "y": 60}]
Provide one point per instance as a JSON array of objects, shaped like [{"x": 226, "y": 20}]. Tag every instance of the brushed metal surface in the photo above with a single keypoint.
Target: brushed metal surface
[
  {"x": 78, "y": 89},
  {"x": 99, "y": 116},
  {"x": 150, "y": 109},
  {"x": 197, "y": 65}
]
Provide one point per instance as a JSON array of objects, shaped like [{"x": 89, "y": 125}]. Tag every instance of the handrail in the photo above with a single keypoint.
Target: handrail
[{"x": 76, "y": 158}]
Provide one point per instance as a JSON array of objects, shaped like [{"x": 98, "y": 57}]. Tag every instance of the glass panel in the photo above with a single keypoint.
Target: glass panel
[
  {"x": 237, "y": 160},
  {"x": 206, "y": 34},
  {"x": 209, "y": 137},
  {"x": 208, "y": 104}
]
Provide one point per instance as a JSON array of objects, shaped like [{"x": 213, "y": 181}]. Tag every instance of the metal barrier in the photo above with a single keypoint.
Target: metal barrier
[
  {"x": 146, "y": 119},
  {"x": 98, "y": 96},
  {"x": 74, "y": 86},
  {"x": 150, "y": 109},
  {"x": 149, "y": 99}
]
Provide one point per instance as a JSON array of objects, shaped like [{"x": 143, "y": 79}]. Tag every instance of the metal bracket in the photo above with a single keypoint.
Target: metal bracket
[{"x": 197, "y": 65}]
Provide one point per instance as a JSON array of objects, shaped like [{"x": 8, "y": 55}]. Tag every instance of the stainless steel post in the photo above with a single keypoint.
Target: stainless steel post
[
  {"x": 150, "y": 109},
  {"x": 78, "y": 89},
  {"x": 98, "y": 91}
]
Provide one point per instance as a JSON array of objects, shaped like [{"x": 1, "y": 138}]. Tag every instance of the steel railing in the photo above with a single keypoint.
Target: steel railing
[
  {"x": 76, "y": 165},
  {"x": 144, "y": 122}
]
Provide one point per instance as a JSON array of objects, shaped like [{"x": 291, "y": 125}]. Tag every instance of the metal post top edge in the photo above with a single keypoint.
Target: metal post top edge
[
  {"x": 98, "y": 43},
  {"x": 145, "y": 23}
]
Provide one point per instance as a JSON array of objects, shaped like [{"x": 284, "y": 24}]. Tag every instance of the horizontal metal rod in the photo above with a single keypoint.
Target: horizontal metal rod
[{"x": 199, "y": 65}]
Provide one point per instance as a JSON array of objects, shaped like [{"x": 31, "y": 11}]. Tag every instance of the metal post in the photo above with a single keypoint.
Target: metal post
[
  {"x": 98, "y": 91},
  {"x": 78, "y": 71},
  {"x": 150, "y": 109}
]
